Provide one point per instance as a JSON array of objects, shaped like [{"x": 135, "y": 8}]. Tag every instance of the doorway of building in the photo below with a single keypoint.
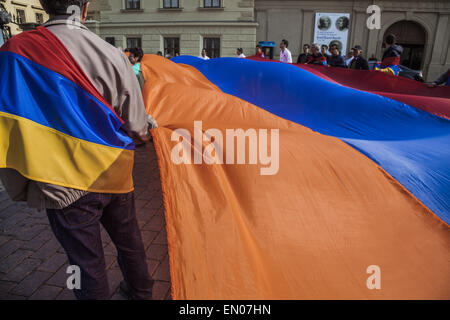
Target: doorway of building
[{"x": 412, "y": 37}]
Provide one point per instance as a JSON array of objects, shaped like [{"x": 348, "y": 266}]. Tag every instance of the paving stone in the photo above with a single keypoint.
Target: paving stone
[
  {"x": 6, "y": 286},
  {"x": 31, "y": 283},
  {"x": 114, "y": 278},
  {"x": 148, "y": 237},
  {"x": 3, "y": 240},
  {"x": 156, "y": 223},
  {"x": 39, "y": 240},
  {"x": 46, "y": 292},
  {"x": 13, "y": 220},
  {"x": 53, "y": 263},
  {"x": 163, "y": 270},
  {"x": 160, "y": 290},
  {"x": 146, "y": 213},
  {"x": 139, "y": 204},
  {"x": 7, "y": 209},
  {"x": 152, "y": 265},
  {"x": 22, "y": 270},
  {"x": 109, "y": 260},
  {"x": 156, "y": 252},
  {"x": 59, "y": 279},
  {"x": 110, "y": 249},
  {"x": 13, "y": 260},
  {"x": 26, "y": 233},
  {"x": 161, "y": 238},
  {"x": 47, "y": 250},
  {"x": 156, "y": 201},
  {"x": 66, "y": 294},
  {"x": 9, "y": 296},
  {"x": 9, "y": 247}
]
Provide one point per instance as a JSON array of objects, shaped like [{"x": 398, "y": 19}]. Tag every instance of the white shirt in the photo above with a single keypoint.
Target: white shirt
[
  {"x": 241, "y": 55},
  {"x": 348, "y": 61},
  {"x": 204, "y": 57},
  {"x": 285, "y": 56}
]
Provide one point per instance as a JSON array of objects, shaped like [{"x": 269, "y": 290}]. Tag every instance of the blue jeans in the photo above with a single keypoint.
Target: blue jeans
[{"x": 77, "y": 228}]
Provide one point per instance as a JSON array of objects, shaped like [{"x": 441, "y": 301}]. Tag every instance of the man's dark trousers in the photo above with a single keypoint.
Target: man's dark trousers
[{"x": 77, "y": 228}]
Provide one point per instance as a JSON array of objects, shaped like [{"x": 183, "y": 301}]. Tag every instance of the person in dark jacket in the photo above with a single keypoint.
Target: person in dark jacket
[
  {"x": 391, "y": 58},
  {"x": 303, "y": 58},
  {"x": 316, "y": 57},
  {"x": 358, "y": 62},
  {"x": 324, "y": 49},
  {"x": 336, "y": 60}
]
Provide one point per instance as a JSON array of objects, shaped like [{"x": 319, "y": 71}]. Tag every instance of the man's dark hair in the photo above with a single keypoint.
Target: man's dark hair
[
  {"x": 390, "y": 39},
  {"x": 259, "y": 46},
  {"x": 324, "y": 45},
  {"x": 286, "y": 43},
  {"x": 138, "y": 53},
  {"x": 307, "y": 45},
  {"x": 240, "y": 50},
  {"x": 59, "y": 7}
]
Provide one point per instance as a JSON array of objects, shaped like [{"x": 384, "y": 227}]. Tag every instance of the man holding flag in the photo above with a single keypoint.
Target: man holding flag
[
  {"x": 390, "y": 62},
  {"x": 69, "y": 116}
]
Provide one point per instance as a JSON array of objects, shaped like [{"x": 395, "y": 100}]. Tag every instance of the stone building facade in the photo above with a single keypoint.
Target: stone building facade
[
  {"x": 24, "y": 13},
  {"x": 421, "y": 26},
  {"x": 170, "y": 26}
]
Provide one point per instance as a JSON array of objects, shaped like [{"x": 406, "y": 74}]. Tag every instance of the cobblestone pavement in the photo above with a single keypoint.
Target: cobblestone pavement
[{"x": 33, "y": 265}]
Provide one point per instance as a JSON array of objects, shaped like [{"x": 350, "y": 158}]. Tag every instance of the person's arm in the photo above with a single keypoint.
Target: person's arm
[
  {"x": 442, "y": 79},
  {"x": 289, "y": 57},
  {"x": 131, "y": 105}
]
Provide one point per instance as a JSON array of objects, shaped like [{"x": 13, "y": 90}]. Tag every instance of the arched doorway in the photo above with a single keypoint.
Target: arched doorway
[{"x": 412, "y": 37}]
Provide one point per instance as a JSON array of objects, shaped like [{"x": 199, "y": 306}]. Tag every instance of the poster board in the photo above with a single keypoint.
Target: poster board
[{"x": 332, "y": 28}]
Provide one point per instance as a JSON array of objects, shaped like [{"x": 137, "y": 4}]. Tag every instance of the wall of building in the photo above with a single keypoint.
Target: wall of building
[
  {"x": 31, "y": 7},
  {"x": 233, "y": 24},
  {"x": 295, "y": 21}
]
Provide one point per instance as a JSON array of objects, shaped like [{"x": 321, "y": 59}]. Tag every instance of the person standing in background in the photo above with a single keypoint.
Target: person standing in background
[
  {"x": 285, "y": 54},
  {"x": 336, "y": 60},
  {"x": 135, "y": 57},
  {"x": 358, "y": 62},
  {"x": 203, "y": 55},
  {"x": 316, "y": 57},
  {"x": 259, "y": 52},
  {"x": 303, "y": 58},
  {"x": 324, "y": 51},
  {"x": 390, "y": 62},
  {"x": 240, "y": 53}
]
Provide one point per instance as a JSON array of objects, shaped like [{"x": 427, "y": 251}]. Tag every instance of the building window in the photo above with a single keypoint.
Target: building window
[
  {"x": 134, "y": 43},
  {"x": 39, "y": 18},
  {"x": 212, "y": 3},
  {"x": 169, "y": 4},
  {"x": 20, "y": 16},
  {"x": 171, "y": 46},
  {"x": 132, "y": 4},
  {"x": 212, "y": 46},
  {"x": 111, "y": 40}
]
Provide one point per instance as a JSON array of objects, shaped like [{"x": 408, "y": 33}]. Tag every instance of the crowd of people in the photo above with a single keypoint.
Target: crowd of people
[
  {"x": 323, "y": 55},
  {"x": 315, "y": 54}
]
